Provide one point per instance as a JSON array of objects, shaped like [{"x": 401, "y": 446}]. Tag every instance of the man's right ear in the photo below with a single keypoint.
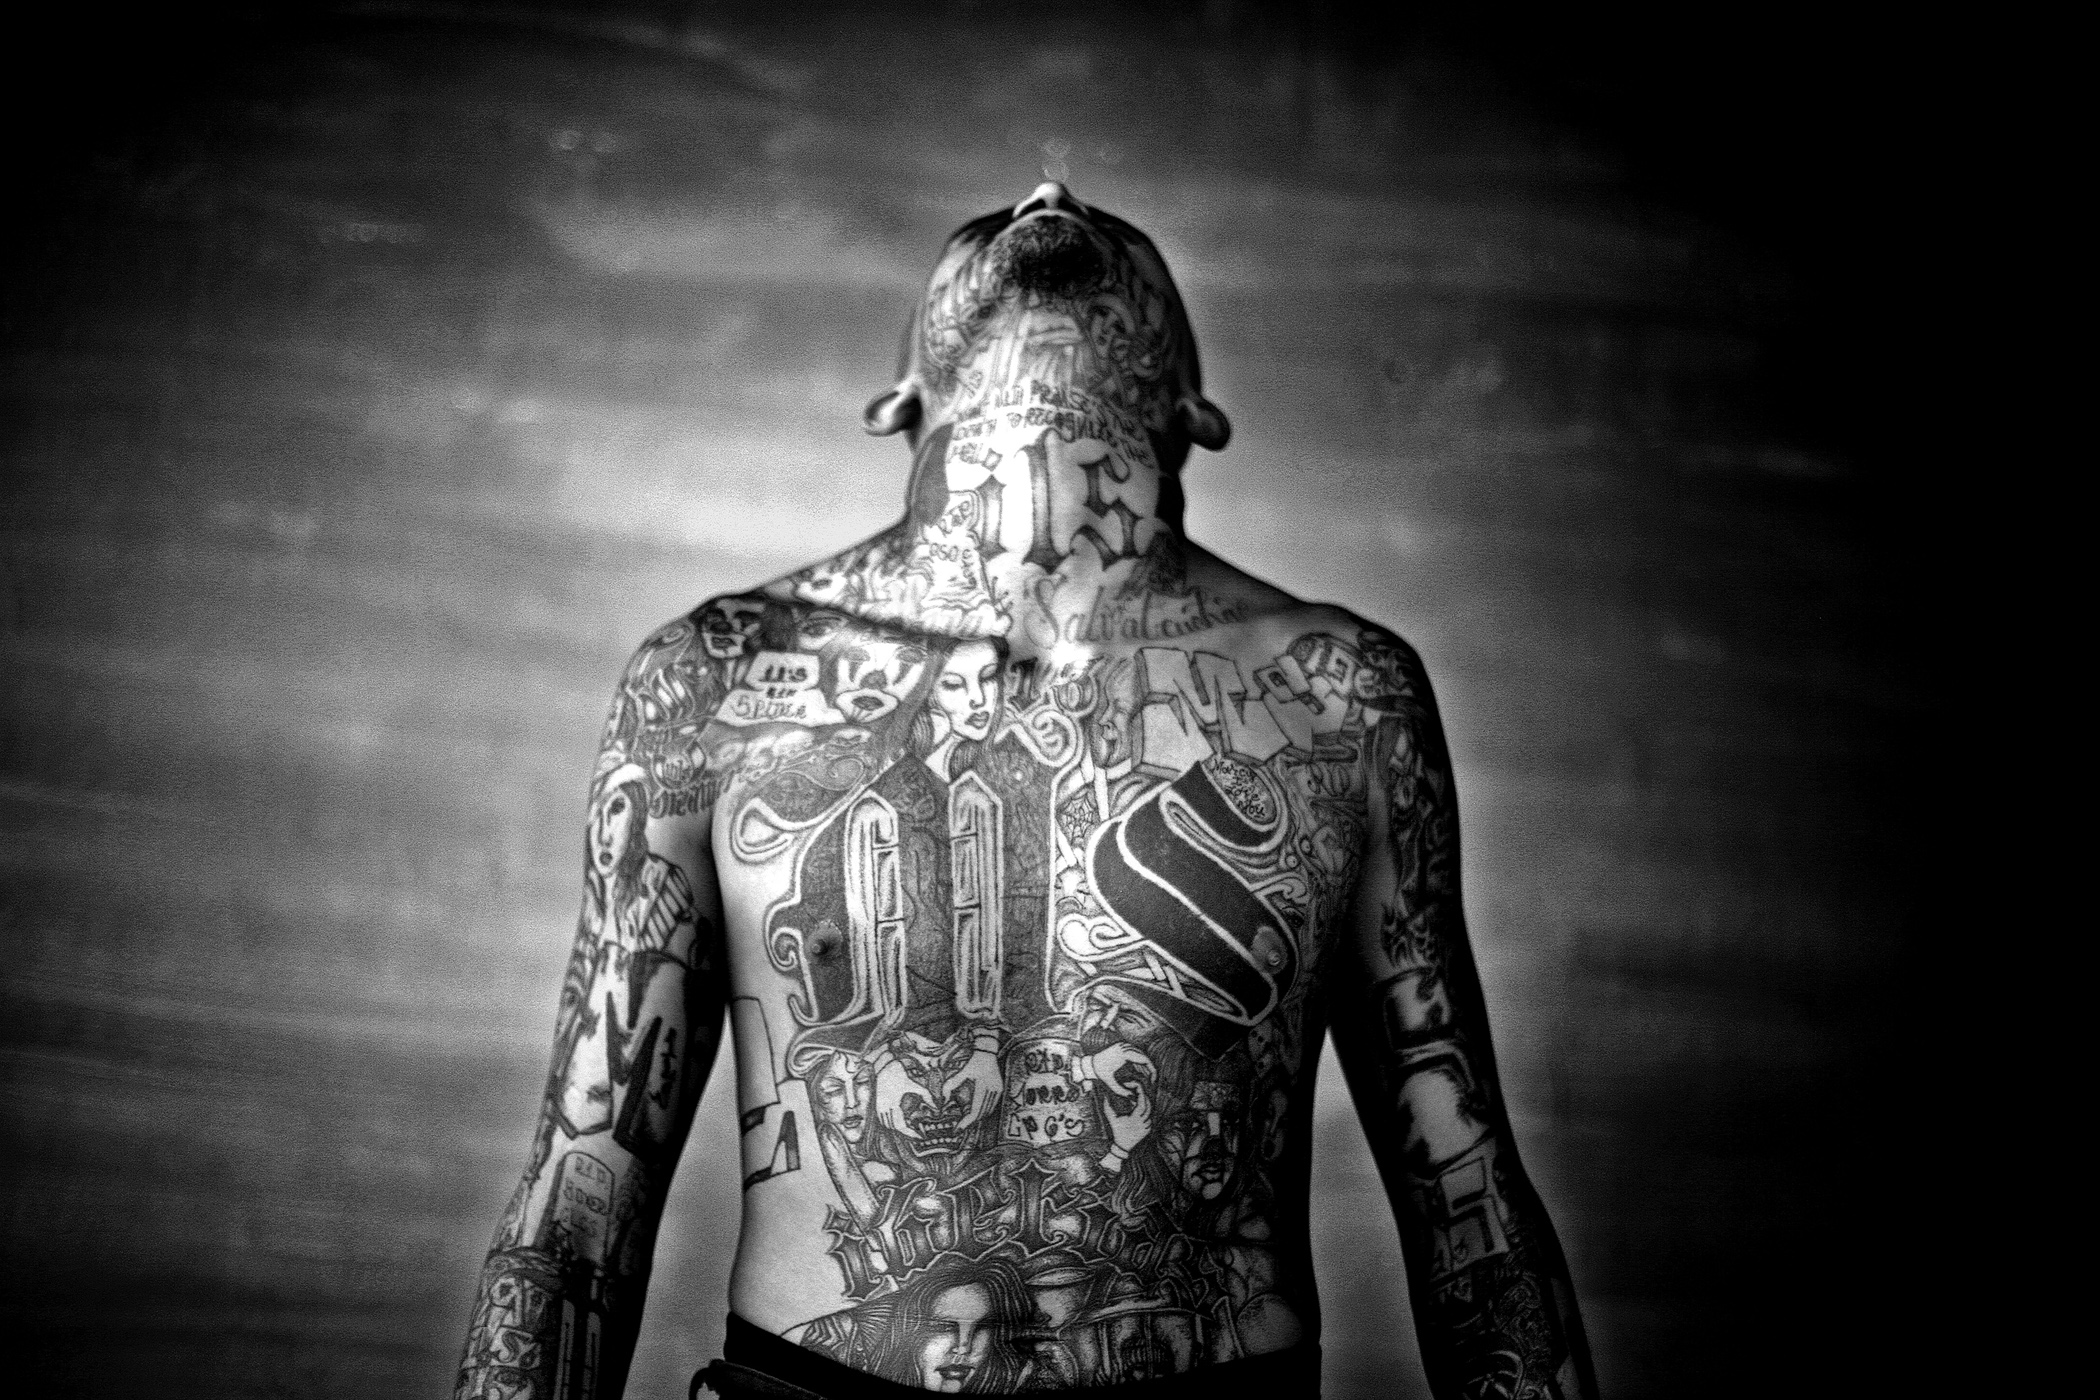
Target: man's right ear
[{"x": 893, "y": 411}]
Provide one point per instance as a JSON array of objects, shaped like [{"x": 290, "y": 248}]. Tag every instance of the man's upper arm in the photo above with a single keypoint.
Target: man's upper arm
[
  {"x": 643, "y": 995},
  {"x": 654, "y": 895},
  {"x": 1409, "y": 1019}
]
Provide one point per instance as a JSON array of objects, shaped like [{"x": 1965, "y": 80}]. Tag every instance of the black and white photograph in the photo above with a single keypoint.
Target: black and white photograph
[{"x": 1250, "y": 692}]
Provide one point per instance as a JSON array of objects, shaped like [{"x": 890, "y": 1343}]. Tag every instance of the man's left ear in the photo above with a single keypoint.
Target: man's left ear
[
  {"x": 892, "y": 411},
  {"x": 1204, "y": 422}
]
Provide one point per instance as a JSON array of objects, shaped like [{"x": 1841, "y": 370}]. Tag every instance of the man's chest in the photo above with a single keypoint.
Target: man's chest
[{"x": 1151, "y": 838}]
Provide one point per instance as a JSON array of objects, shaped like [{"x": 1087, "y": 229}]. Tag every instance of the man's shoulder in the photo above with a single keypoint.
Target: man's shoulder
[
  {"x": 702, "y": 638},
  {"x": 1264, "y": 603},
  {"x": 1302, "y": 617},
  {"x": 678, "y": 676},
  {"x": 1275, "y": 620},
  {"x": 1389, "y": 662},
  {"x": 1325, "y": 655}
]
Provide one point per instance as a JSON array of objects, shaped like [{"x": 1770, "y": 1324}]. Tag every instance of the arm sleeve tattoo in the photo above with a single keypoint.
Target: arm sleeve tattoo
[
  {"x": 1493, "y": 1302},
  {"x": 560, "y": 1297}
]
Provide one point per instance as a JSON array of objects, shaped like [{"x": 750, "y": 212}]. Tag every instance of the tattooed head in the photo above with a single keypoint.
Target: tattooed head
[
  {"x": 874, "y": 675},
  {"x": 1194, "y": 1159},
  {"x": 967, "y": 690},
  {"x": 1204, "y": 1138},
  {"x": 615, "y": 848},
  {"x": 964, "y": 704},
  {"x": 956, "y": 1326},
  {"x": 726, "y": 626},
  {"x": 934, "y": 1100},
  {"x": 841, "y": 1089},
  {"x": 1060, "y": 282},
  {"x": 1276, "y": 1046}
]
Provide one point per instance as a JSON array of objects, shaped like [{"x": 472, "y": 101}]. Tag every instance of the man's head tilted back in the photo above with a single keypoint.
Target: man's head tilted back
[{"x": 1058, "y": 292}]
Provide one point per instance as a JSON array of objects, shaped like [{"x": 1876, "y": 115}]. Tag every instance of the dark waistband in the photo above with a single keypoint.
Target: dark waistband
[{"x": 1297, "y": 1369}]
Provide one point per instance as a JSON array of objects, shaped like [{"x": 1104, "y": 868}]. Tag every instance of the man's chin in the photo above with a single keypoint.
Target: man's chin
[{"x": 1048, "y": 254}]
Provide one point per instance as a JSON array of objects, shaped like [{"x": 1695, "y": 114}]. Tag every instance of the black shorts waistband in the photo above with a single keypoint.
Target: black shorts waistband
[{"x": 1296, "y": 1371}]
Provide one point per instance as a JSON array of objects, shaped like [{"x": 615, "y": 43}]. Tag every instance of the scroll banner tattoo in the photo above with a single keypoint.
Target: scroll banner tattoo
[{"x": 1218, "y": 960}]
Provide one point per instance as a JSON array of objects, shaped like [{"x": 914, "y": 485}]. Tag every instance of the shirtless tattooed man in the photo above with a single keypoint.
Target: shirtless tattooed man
[{"x": 1028, "y": 851}]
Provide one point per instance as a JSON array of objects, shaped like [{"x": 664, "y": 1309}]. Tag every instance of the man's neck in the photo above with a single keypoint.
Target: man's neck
[{"x": 1037, "y": 488}]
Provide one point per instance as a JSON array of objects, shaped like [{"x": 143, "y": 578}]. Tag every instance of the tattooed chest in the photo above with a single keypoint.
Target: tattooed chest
[
  {"x": 1040, "y": 946},
  {"x": 1133, "y": 842}
]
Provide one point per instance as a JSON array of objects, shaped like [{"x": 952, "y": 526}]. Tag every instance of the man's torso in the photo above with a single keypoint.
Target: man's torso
[{"x": 1025, "y": 959}]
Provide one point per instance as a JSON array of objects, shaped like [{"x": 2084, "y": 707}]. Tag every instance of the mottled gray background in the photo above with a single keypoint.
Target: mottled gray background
[{"x": 374, "y": 382}]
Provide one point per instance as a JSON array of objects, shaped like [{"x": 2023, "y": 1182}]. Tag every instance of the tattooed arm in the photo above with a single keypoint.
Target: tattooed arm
[
  {"x": 1493, "y": 1303},
  {"x": 560, "y": 1301}
]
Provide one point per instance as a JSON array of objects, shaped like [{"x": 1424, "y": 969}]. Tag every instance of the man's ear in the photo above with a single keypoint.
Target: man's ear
[
  {"x": 892, "y": 411},
  {"x": 1204, "y": 422}
]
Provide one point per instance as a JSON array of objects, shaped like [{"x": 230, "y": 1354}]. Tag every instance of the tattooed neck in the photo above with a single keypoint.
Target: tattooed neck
[
  {"x": 1051, "y": 389},
  {"x": 1037, "y": 467}
]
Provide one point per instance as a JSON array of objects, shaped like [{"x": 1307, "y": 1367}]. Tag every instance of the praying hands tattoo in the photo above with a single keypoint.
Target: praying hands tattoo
[{"x": 1029, "y": 851}]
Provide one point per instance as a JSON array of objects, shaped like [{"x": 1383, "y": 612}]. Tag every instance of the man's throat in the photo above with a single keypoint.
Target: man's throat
[{"x": 1037, "y": 497}]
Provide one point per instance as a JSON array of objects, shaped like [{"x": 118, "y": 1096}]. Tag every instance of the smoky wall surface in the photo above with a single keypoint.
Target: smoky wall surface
[{"x": 376, "y": 382}]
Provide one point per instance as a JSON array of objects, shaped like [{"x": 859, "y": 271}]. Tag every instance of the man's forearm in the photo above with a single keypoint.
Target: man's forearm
[
  {"x": 560, "y": 1299},
  {"x": 545, "y": 1326},
  {"x": 1495, "y": 1308},
  {"x": 1494, "y": 1305}
]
